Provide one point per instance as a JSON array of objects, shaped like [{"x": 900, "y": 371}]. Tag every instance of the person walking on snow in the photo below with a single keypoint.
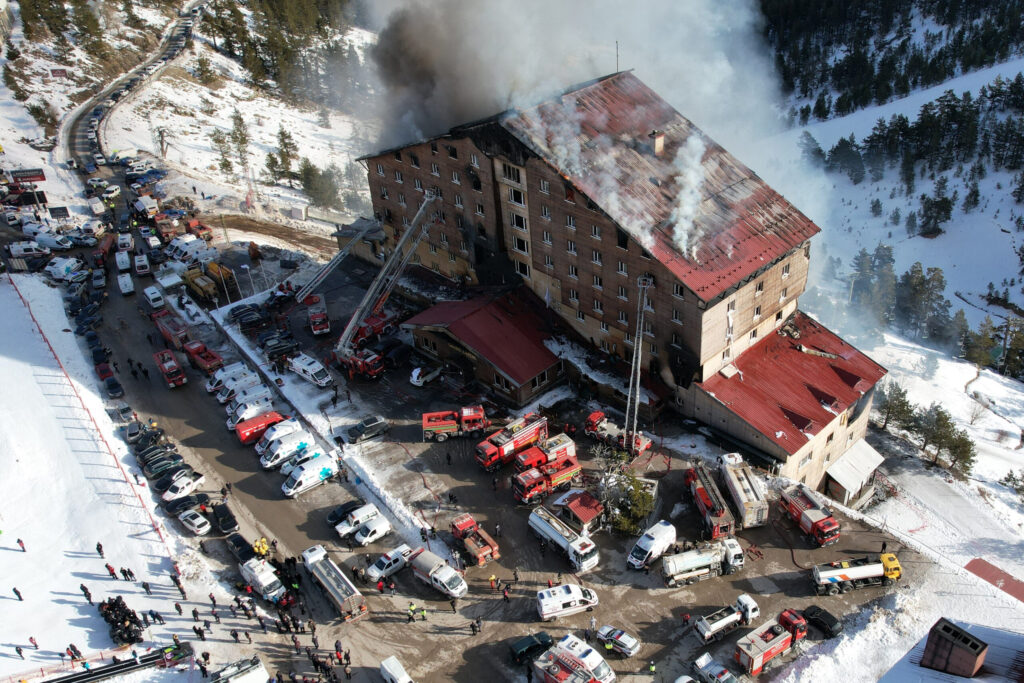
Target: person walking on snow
[
  {"x": 21, "y": 653},
  {"x": 18, "y": 593},
  {"x": 33, "y": 641},
  {"x": 99, "y": 551},
  {"x": 110, "y": 569},
  {"x": 21, "y": 543}
]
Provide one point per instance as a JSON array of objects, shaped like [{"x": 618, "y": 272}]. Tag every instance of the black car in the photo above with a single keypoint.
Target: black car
[
  {"x": 264, "y": 338},
  {"x": 824, "y": 621},
  {"x": 99, "y": 355},
  {"x": 252, "y": 322},
  {"x": 179, "y": 505},
  {"x": 159, "y": 466},
  {"x": 394, "y": 352},
  {"x": 240, "y": 548},
  {"x": 367, "y": 428},
  {"x": 224, "y": 519},
  {"x": 170, "y": 476},
  {"x": 93, "y": 340},
  {"x": 113, "y": 387},
  {"x": 153, "y": 454},
  {"x": 236, "y": 312},
  {"x": 148, "y": 438},
  {"x": 339, "y": 513},
  {"x": 280, "y": 347},
  {"x": 156, "y": 256},
  {"x": 524, "y": 649}
]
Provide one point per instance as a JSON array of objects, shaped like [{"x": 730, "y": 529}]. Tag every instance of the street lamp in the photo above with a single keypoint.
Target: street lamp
[{"x": 252, "y": 284}]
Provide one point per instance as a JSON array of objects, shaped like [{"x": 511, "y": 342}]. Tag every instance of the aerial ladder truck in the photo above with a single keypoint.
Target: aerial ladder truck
[{"x": 361, "y": 362}]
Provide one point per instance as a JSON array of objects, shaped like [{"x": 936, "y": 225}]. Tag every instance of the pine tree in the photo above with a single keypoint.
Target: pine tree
[
  {"x": 130, "y": 17},
  {"x": 88, "y": 27},
  {"x": 961, "y": 451},
  {"x": 239, "y": 138},
  {"x": 811, "y": 151},
  {"x": 935, "y": 426},
  {"x": 876, "y": 207},
  {"x": 204, "y": 70},
  {"x": 911, "y": 223},
  {"x": 222, "y": 144},
  {"x": 980, "y": 344},
  {"x": 1018, "y": 188},
  {"x": 287, "y": 151},
  {"x": 273, "y": 167},
  {"x": 894, "y": 405}
]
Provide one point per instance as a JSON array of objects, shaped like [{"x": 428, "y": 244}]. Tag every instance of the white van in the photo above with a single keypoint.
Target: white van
[
  {"x": 63, "y": 268},
  {"x": 34, "y": 229},
  {"x": 248, "y": 411},
  {"x": 125, "y": 242},
  {"x": 234, "y": 385},
  {"x": 561, "y": 601},
  {"x": 594, "y": 663},
  {"x": 284, "y": 448},
  {"x": 652, "y": 545},
  {"x": 94, "y": 228},
  {"x": 27, "y": 249},
  {"x": 248, "y": 395},
  {"x": 142, "y": 266},
  {"x": 278, "y": 431},
  {"x": 176, "y": 247},
  {"x": 153, "y": 297},
  {"x": 300, "y": 459},
  {"x": 52, "y": 241},
  {"x": 392, "y": 671},
  {"x": 227, "y": 372},
  {"x": 310, "y": 369},
  {"x": 123, "y": 260},
  {"x": 125, "y": 284}
]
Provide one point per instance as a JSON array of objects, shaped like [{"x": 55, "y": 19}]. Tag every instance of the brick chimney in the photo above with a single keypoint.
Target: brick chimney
[
  {"x": 953, "y": 650},
  {"x": 657, "y": 142}
]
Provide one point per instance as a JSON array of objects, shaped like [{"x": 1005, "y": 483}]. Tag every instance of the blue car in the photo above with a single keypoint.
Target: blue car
[
  {"x": 90, "y": 167},
  {"x": 157, "y": 173}
]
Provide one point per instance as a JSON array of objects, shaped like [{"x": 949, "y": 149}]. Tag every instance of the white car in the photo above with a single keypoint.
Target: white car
[
  {"x": 112, "y": 191},
  {"x": 100, "y": 159},
  {"x": 620, "y": 641},
  {"x": 147, "y": 231},
  {"x": 195, "y": 522},
  {"x": 184, "y": 486},
  {"x": 374, "y": 530},
  {"x": 97, "y": 182},
  {"x": 421, "y": 375}
]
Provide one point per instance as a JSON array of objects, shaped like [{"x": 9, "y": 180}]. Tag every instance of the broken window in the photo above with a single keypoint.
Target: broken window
[
  {"x": 510, "y": 173},
  {"x": 621, "y": 239}
]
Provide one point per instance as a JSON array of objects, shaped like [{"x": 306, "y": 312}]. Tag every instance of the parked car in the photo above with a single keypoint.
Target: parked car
[
  {"x": 171, "y": 476},
  {"x": 184, "y": 486},
  {"x": 372, "y": 531},
  {"x": 160, "y": 465},
  {"x": 112, "y": 192},
  {"x": 99, "y": 279},
  {"x": 99, "y": 355},
  {"x": 132, "y": 431},
  {"x": 195, "y": 522},
  {"x": 100, "y": 159},
  {"x": 422, "y": 373},
  {"x": 113, "y": 387},
  {"x": 80, "y": 240},
  {"x": 526, "y": 648},
  {"x": 621, "y": 642},
  {"x": 280, "y": 347},
  {"x": 149, "y": 437},
  {"x": 177, "y": 506},
  {"x": 98, "y": 183},
  {"x": 236, "y": 312},
  {"x": 824, "y": 621},
  {"x": 154, "y": 452},
  {"x": 103, "y": 371},
  {"x": 224, "y": 519},
  {"x": 240, "y": 548},
  {"x": 367, "y": 428},
  {"x": 339, "y": 513}
]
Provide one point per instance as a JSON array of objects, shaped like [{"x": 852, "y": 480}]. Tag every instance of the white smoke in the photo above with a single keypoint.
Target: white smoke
[{"x": 690, "y": 180}]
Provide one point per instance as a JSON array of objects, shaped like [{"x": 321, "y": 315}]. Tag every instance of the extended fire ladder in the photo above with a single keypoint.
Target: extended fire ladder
[
  {"x": 386, "y": 279},
  {"x": 633, "y": 399},
  {"x": 329, "y": 267},
  {"x": 714, "y": 495}
]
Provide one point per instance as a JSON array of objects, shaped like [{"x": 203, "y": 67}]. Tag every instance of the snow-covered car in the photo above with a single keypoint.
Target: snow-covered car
[
  {"x": 374, "y": 530},
  {"x": 621, "y": 642},
  {"x": 98, "y": 183},
  {"x": 184, "y": 486},
  {"x": 195, "y": 522}
]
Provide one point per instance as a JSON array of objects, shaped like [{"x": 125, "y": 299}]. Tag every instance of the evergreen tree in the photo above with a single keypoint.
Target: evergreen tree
[
  {"x": 88, "y": 27},
  {"x": 911, "y": 223},
  {"x": 239, "y": 138},
  {"x": 961, "y": 451},
  {"x": 972, "y": 198},
  {"x": 811, "y": 151},
  {"x": 1018, "y": 188},
  {"x": 204, "y": 70},
  {"x": 935, "y": 426},
  {"x": 287, "y": 151},
  {"x": 863, "y": 276},
  {"x": 883, "y": 287},
  {"x": 822, "y": 106},
  {"x": 960, "y": 331},
  {"x": 981, "y": 344},
  {"x": 222, "y": 144},
  {"x": 894, "y": 405},
  {"x": 130, "y": 17},
  {"x": 321, "y": 186},
  {"x": 273, "y": 167},
  {"x": 876, "y": 207},
  {"x": 895, "y": 217}
]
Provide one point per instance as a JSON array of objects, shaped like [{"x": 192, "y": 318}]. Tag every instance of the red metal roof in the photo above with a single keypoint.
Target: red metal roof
[
  {"x": 598, "y": 137},
  {"x": 503, "y": 331},
  {"x": 584, "y": 506},
  {"x": 794, "y": 382}
]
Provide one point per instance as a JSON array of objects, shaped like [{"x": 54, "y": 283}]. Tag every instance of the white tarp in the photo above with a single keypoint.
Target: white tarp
[{"x": 856, "y": 466}]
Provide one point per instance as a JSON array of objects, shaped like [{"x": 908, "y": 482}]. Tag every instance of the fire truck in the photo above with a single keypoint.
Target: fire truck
[
  {"x": 466, "y": 421},
  {"x": 172, "y": 328},
  {"x": 778, "y": 636},
  {"x": 202, "y": 357},
  {"x": 503, "y": 445},
  {"x": 718, "y": 519},
  {"x": 170, "y": 369},
  {"x": 546, "y": 451},
  {"x": 316, "y": 309},
  {"x": 813, "y": 518},
  {"x": 558, "y": 666},
  {"x": 532, "y": 485},
  {"x": 480, "y": 547},
  {"x": 599, "y": 427}
]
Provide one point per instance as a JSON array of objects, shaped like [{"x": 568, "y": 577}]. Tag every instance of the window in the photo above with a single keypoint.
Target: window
[
  {"x": 518, "y": 221},
  {"x": 516, "y": 196},
  {"x": 501, "y": 382},
  {"x": 477, "y": 186},
  {"x": 509, "y": 172},
  {"x": 433, "y": 147},
  {"x": 622, "y": 293},
  {"x": 459, "y": 223},
  {"x": 620, "y": 268},
  {"x": 398, "y": 156},
  {"x": 545, "y": 187},
  {"x": 759, "y": 289},
  {"x": 757, "y": 312},
  {"x": 806, "y": 460},
  {"x": 842, "y": 419},
  {"x": 580, "y": 316},
  {"x": 731, "y": 306},
  {"x": 438, "y": 192},
  {"x": 727, "y": 353},
  {"x": 433, "y": 249},
  {"x": 785, "y": 271},
  {"x": 523, "y": 269},
  {"x": 676, "y": 318},
  {"x": 546, "y": 236},
  {"x": 675, "y": 340},
  {"x": 474, "y": 161},
  {"x": 595, "y": 256},
  {"x": 548, "y": 261},
  {"x": 458, "y": 200},
  {"x": 455, "y": 178},
  {"x": 598, "y": 306},
  {"x": 574, "y": 295},
  {"x": 778, "y": 317},
  {"x": 595, "y": 231},
  {"x": 545, "y": 213},
  {"x": 623, "y": 317},
  {"x": 451, "y": 257},
  {"x": 648, "y": 328},
  {"x": 444, "y": 237},
  {"x": 677, "y": 290},
  {"x": 628, "y": 338},
  {"x": 621, "y": 239},
  {"x": 383, "y": 192},
  {"x": 597, "y": 282},
  {"x": 435, "y": 169},
  {"x": 387, "y": 215},
  {"x": 520, "y": 245},
  {"x": 574, "y": 272},
  {"x": 398, "y": 176},
  {"x": 462, "y": 246},
  {"x": 540, "y": 379},
  {"x": 401, "y": 198},
  {"x": 648, "y": 304},
  {"x": 414, "y": 160},
  {"x": 570, "y": 246},
  {"x": 405, "y": 221},
  {"x": 570, "y": 194},
  {"x": 654, "y": 349},
  {"x": 828, "y": 439},
  {"x": 479, "y": 209},
  {"x": 753, "y": 334},
  {"x": 418, "y": 184},
  {"x": 784, "y": 294},
  {"x": 453, "y": 152},
  {"x": 604, "y": 326},
  {"x": 570, "y": 222}
]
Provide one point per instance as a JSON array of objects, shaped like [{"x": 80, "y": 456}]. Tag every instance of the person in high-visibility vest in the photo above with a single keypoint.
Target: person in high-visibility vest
[{"x": 650, "y": 667}]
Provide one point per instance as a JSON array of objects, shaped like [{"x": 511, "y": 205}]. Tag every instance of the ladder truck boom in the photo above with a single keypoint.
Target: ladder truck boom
[
  {"x": 385, "y": 281},
  {"x": 329, "y": 267}
]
